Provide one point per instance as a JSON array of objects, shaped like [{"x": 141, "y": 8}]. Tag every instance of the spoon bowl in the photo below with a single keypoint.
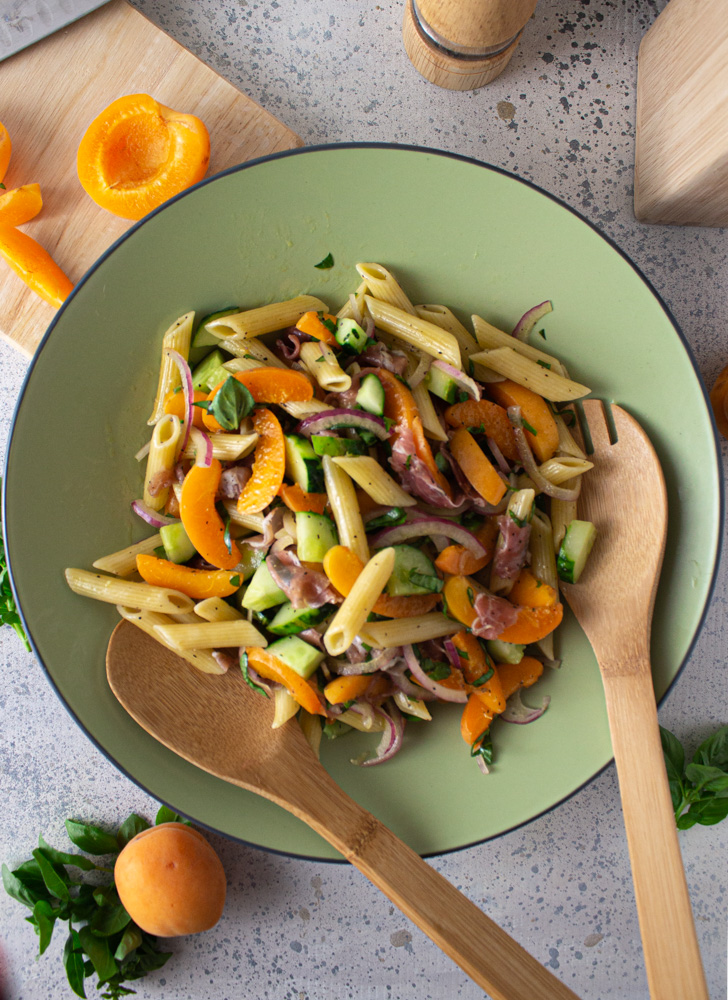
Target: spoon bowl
[
  {"x": 624, "y": 496},
  {"x": 219, "y": 724}
]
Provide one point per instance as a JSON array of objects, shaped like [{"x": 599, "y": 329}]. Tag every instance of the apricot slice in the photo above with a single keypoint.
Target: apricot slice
[
  {"x": 171, "y": 881},
  {"x": 20, "y": 205},
  {"x": 138, "y": 153},
  {"x": 6, "y": 148},
  {"x": 34, "y": 265}
]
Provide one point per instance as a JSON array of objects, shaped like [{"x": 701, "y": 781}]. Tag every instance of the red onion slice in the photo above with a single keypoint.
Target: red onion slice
[
  {"x": 465, "y": 382},
  {"x": 529, "y": 462},
  {"x": 500, "y": 458},
  {"x": 452, "y": 653},
  {"x": 530, "y": 318},
  {"x": 152, "y": 517},
  {"x": 187, "y": 389},
  {"x": 428, "y": 526},
  {"x": 203, "y": 447},
  {"x": 333, "y": 419},
  {"x": 391, "y": 741},
  {"x": 442, "y": 692},
  {"x": 522, "y": 714}
]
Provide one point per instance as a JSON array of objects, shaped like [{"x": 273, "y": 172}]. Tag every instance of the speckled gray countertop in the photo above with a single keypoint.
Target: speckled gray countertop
[{"x": 563, "y": 116}]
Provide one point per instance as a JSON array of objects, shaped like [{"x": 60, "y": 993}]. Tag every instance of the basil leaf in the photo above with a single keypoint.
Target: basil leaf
[
  {"x": 326, "y": 263},
  {"x": 63, "y": 858},
  {"x": 73, "y": 962},
  {"x": 231, "y": 404},
  {"x": 529, "y": 427},
  {"x": 483, "y": 677},
  {"x": 56, "y": 884},
  {"x": 713, "y": 752},
  {"x": 108, "y": 920},
  {"x": 708, "y": 812},
  {"x": 166, "y": 815},
  {"x": 436, "y": 670},
  {"x": 130, "y": 941},
  {"x": 707, "y": 779},
  {"x": 45, "y": 920},
  {"x": 29, "y": 874},
  {"x": 432, "y": 583},
  {"x": 97, "y": 949},
  {"x": 248, "y": 681},
  {"x": 673, "y": 752},
  {"x": 91, "y": 839},
  {"x": 16, "y": 888},
  {"x": 483, "y": 747},
  {"x": 131, "y": 826},
  {"x": 395, "y": 515}
]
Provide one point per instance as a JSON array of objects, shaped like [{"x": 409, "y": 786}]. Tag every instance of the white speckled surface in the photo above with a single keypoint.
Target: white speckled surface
[{"x": 563, "y": 116}]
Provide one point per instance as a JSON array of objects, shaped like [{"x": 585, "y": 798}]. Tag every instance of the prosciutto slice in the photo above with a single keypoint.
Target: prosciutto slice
[
  {"x": 494, "y": 615},
  {"x": 304, "y": 587},
  {"x": 380, "y": 356},
  {"x": 512, "y": 549},
  {"x": 415, "y": 476}
]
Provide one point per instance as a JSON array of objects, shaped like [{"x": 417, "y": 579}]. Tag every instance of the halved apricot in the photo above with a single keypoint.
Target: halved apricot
[{"x": 138, "y": 153}]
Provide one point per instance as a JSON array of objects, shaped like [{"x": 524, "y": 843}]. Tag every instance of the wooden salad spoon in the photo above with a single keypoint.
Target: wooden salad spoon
[
  {"x": 219, "y": 724},
  {"x": 624, "y": 496}
]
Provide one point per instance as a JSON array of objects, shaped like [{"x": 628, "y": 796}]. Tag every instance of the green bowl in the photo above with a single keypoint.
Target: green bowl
[{"x": 455, "y": 231}]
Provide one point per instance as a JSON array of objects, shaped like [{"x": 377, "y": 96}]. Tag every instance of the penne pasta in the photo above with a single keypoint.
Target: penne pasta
[
  {"x": 428, "y": 414},
  {"x": 443, "y": 317},
  {"x": 412, "y": 330},
  {"x": 404, "y": 631},
  {"x": 163, "y": 448},
  {"x": 252, "y": 350},
  {"x": 345, "y": 508},
  {"x": 507, "y": 361},
  {"x": 113, "y": 590},
  {"x": 541, "y": 547},
  {"x": 351, "y": 615},
  {"x": 384, "y": 286},
  {"x": 149, "y": 621},
  {"x": 211, "y": 635},
  {"x": 285, "y": 707},
  {"x": 562, "y": 468},
  {"x": 225, "y": 447},
  {"x": 252, "y": 521},
  {"x": 265, "y": 319},
  {"x": 177, "y": 338},
  {"x": 563, "y": 513},
  {"x": 374, "y": 480},
  {"x": 568, "y": 444},
  {"x": 123, "y": 562},
  {"x": 490, "y": 338},
  {"x": 215, "y": 609},
  {"x": 321, "y": 363},
  {"x": 353, "y": 308}
]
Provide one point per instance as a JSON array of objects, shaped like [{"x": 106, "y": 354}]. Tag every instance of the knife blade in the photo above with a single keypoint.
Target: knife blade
[{"x": 23, "y": 22}]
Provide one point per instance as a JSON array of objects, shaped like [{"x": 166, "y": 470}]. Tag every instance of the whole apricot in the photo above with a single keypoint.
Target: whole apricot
[{"x": 171, "y": 881}]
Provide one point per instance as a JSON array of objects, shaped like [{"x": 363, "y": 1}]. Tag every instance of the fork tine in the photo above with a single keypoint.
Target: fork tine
[{"x": 596, "y": 421}]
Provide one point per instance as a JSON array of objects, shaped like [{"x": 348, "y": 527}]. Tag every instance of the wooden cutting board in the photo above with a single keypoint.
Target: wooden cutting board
[{"x": 50, "y": 92}]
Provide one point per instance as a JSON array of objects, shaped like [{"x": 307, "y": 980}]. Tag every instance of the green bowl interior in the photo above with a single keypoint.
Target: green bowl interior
[{"x": 454, "y": 232}]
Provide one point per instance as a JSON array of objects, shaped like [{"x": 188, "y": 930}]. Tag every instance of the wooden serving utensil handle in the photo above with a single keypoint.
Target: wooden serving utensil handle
[
  {"x": 669, "y": 941},
  {"x": 463, "y": 44},
  {"x": 483, "y": 950}
]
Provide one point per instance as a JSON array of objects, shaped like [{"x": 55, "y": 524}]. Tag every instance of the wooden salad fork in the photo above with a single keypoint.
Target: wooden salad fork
[
  {"x": 219, "y": 724},
  {"x": 624, "y": 496}
]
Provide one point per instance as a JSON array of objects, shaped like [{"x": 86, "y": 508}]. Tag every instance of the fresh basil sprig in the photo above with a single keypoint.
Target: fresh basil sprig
[
  {"x": 8, "y": 609},
  {"x": 231, "y": 404},
  {"x": 699, "y": 790},
  {"x": 102, "y": 938}
]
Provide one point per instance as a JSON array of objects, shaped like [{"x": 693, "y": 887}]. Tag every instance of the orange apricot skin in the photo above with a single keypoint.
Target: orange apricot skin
[
  {"x": 138, "y": 153},
  {"x": 170, "y": 881}
]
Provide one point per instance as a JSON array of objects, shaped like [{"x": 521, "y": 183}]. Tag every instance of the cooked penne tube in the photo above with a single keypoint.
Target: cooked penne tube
[
  {"x": 177, "y": 338},
  {"x": 404, "y": 631},
  {"x": 415, "y": 331},
  {"x": 562, "y": 468},
  {"x": 353, "y": 308},
  {"x": 345, "y": 508},
  {"x": 321, "y": 363},
  {"x": 362, "y": 723},
  {"x": 384, "y": 286},
  {"x": 265, "y": 319},
  {"x": 148, "y": 621},
  {"x": 226, "y": 447},
  {"x": 563, "y": 513},
  {"x": 304, "y": 409},
  {"x": 374, "y": 480},
  {"x": 212, "y": 635},
  {"x": 114, "y": 590},
  {"x": 428, "y": 414},
  {"x": 285, "y": 707},
  {"x": 252, "y": 521},
  {"x": 123, "y": 562},
  {"x": 254, "y": 350},
  {"x": 163, "y": 448},
  {"x": 490, "y": 337},
  {"x": 568, "y": 444},
  {"x": 531, "y": 374},
  {"x": 215, "y": 609},
  {"x": 443, "y": 317},
  {"x": 541, "y": 547},
  {"x": 355, "y": 610}
]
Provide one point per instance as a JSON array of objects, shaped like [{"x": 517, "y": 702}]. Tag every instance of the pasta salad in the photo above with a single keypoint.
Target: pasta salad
[{"x": 367, "y": 512}]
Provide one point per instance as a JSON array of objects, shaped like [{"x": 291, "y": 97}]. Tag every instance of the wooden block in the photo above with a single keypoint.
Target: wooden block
[
  {"x": 54, "y": 89},
  {"x": 681, "y": 154}
]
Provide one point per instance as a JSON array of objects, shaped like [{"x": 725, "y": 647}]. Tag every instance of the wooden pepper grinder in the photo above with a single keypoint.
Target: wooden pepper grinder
[{"x": 463, "y": 44}]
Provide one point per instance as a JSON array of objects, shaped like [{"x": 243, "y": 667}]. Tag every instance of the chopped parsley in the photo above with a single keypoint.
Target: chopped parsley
[{"x": 326, "y": 263}]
